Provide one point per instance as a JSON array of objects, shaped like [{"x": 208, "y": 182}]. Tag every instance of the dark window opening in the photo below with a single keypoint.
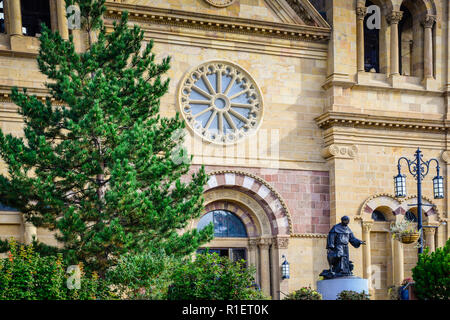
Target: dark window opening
[
  {"x": 34, "y": 12},
  {"x": 378, "y": 216},
  {"x": 371, "y": 46},
  {"x": 405, "y": 28},
  {"x": 2, "y": 17},
  {"x": 235, "y": 254},
  {"x": 410, "y": 216}
]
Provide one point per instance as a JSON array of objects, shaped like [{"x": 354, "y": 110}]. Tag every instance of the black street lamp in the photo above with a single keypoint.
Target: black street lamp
[{"x": 419, "y": 169}]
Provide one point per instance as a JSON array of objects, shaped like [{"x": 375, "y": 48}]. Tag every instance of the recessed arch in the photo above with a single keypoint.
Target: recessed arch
[{"x": 261, "y": 191}]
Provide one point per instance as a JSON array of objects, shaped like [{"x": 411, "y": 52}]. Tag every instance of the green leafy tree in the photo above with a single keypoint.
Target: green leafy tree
[
  {"x": 211, "y": 277},
  {"x": 98, "y": 168},
  {"x": 432, "y": 274}
]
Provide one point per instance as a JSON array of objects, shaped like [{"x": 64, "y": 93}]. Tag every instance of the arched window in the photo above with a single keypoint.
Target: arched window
[
  {"x": 2, "y": 17},
  {"x": 410, "y": 216},
  {"x": 226, "y": 224},
  {"x": 34, "y": 12},
  {"x": 378, "y": 216},
  {"x": 371, "y": 46}
]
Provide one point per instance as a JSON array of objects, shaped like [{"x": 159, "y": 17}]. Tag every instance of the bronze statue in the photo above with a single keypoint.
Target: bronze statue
[{"x": 337, "y": 245}]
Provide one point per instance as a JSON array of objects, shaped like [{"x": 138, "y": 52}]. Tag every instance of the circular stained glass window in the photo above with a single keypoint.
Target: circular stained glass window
[{"x": 221, "y": 102}]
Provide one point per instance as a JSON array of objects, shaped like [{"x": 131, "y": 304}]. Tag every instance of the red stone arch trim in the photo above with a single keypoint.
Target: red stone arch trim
[
  {"x": 246, "y": 218},
  {"x": 260, "y": 190},
  {"x": 398, "y": 206}
]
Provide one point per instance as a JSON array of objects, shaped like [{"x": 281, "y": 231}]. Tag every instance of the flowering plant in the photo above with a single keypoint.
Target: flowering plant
[{"x": 402, "y": 228}]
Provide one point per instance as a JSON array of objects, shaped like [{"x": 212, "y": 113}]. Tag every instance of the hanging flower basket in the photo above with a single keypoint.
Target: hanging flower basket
[
  {"x": 410, "y": 237},
  {"x": 405, "y": 231}
]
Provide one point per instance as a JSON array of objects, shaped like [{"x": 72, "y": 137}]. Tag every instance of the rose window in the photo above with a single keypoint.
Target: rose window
[{"x": 221, "y": 102}]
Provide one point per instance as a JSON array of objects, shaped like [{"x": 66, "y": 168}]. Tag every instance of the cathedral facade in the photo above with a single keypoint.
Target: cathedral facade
[{"x": 298, "y": 109}]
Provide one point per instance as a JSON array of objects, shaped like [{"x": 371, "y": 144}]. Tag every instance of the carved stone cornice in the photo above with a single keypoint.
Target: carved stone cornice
[
  {"x": 428, "y": 21},
  {"x": 361, "y": 12},
  {"x": 343, "y": 119},
  {"x": 220, "y": 23},
  {"x": 338, "y": 151},
  {"x": 394, "y": 17}
]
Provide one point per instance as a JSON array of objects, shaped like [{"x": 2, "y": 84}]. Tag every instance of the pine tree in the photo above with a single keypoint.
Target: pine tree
[{"x": 98, "y": 167}]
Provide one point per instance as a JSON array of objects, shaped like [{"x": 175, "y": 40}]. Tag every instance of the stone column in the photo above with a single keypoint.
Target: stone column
[
  {"x": 15, "y": 17},
  {"x": 428, "y": 23},
  {"x": 360, "y": 14},
  {"x": 393, "y": 19},
  {"x": 429, "y": 238},
  {"x": 62, "y": 19},
  {"x": 253, "y": 256},
  {"x": 264, "y": 245},
  {"x": 399, "y": 262},
  {"x": 279, "y": 249},
  {"x": 366, "y": 226}
]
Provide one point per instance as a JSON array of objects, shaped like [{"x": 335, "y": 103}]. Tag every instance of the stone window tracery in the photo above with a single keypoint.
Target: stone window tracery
[{"x": 221, "y": 102}]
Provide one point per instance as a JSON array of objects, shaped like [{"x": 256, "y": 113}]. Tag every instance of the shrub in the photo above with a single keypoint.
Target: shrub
[
  {"x": 143, "y": 276},
  {"x": 25, "y": 275},
  {"x": 353, "y": 295},
  {"x": 211, "y": 277},
  {"x": 305, "y": 293},
  {"x": 432, "y": 274}
]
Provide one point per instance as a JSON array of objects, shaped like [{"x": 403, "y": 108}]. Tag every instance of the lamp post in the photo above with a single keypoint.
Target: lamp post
[{"x": 418, "y": 169}]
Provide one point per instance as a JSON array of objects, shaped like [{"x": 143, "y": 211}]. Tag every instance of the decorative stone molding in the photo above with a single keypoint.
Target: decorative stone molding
[
  {"x": 211, "y": 22},
  {"x": 221, "y": 102},
  {"x": 342, "y": 119},
  {"x": 281, "y": 242},
  {"x": 361, "y": 12},
  {"x": 428, "y": 21},
  {"x": 394, "y": 17},
  {"x": 253, "y": 243},
  {"x": 264, "y": 243},
  {"x": 309, "y": 235},
  {"x": 446, "y": 156},
  {"x": 367, "y": 225},
  {"x": 220, "y": 3},
  {"x": 335, "y": 151},
  {"x": 429, "y": 231},
  {"x": 302, "y": 12},
  {"x": 258, "y": 187}
]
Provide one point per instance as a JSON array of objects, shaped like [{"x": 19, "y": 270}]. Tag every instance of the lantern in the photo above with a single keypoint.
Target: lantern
[
  {"x": 400, "y": 185},
  {"x": 285, "y": 269}
]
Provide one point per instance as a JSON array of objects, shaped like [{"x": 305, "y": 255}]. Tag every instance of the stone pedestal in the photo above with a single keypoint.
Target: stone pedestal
[{"x": 330, "y": 288}]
